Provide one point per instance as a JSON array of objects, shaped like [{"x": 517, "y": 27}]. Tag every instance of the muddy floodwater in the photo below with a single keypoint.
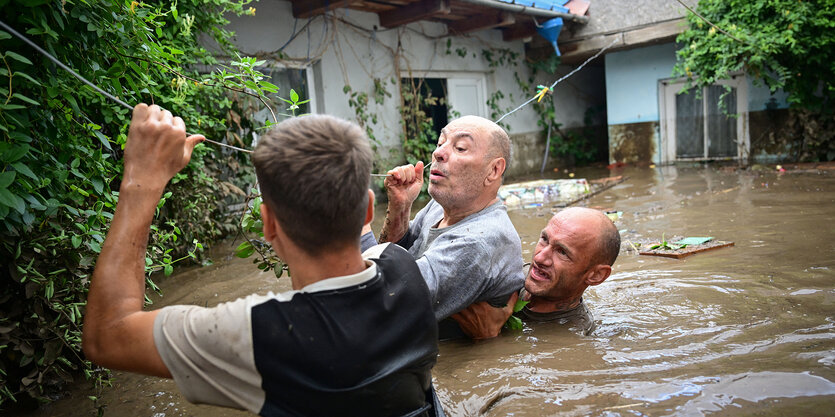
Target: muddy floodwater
[{"x": 748, "y": 329}]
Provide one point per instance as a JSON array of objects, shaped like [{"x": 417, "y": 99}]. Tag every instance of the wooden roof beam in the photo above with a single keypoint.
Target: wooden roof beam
[
  {"x": 518, "y": 32},
  {"x": 483, "y": 22},
  {"x": 303, "y": 9},
  {"x": 421, "y": 10}
]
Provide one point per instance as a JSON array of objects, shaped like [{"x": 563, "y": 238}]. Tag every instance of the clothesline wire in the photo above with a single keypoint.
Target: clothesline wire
[{"x": 561, "y": 79}]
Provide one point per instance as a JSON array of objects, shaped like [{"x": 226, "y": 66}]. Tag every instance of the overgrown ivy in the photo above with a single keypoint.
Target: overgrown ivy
[
  {"x": 419, "y": 137},
  {"x": 60, "y": 160}
]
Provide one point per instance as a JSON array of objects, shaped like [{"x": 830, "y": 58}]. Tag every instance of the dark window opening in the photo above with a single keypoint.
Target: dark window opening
[{"x": 427, "y": 95}]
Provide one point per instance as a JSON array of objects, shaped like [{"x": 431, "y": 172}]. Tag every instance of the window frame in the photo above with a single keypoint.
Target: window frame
[{"x": 667, "y": 91}]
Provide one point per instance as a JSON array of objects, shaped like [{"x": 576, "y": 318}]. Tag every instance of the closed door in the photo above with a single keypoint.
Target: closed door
[{"x": 466, "y": 96}]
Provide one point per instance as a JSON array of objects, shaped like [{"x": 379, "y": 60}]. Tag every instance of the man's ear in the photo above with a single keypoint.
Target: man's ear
[
  {"x": 598, "y": 274},
  {"x": 270, "y": 223},
  {"x": 497, "y": 167},
  {"x": 369, "y": 214}
]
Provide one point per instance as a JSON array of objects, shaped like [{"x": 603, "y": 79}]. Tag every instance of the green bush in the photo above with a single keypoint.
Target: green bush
[
  {"x": 60, "y": 161},
  {"x": 786, "y": 44}
]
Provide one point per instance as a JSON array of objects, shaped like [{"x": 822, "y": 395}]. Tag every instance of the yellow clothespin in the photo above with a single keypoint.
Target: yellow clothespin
[{"x": 541, "y": 93}]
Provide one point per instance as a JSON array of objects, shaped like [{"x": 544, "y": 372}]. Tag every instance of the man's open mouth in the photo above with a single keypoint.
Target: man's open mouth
[
  {"x": 436, "y": 174},
  {"x": 538, "y": 274}
]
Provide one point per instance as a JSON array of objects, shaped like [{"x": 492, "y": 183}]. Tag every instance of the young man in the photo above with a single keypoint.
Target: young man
[
  {"x": 355, "y": 336},
  {"x": 576, "y": 249},
  {"x": 465, "y": 245}
]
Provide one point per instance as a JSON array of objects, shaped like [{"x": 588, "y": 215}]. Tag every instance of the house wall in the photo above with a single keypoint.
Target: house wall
[
  {"x": 633, "y": 110},
  {"x": 583, "y": 92},
  {"x": 632, "y": 101},
  {"x": 355, "y": 54},
  {"x": 609, "y": 16}
]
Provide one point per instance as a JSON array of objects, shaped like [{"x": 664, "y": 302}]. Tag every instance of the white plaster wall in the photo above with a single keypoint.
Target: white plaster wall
[{"x": 355, "y": 56}]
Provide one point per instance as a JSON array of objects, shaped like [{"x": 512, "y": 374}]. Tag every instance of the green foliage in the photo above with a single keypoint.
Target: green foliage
[
  {"x": 419, "y": 137},
  {"x": 60, "y": 160},
  {"x": 513, "y": 322},
  {"x": 500, "y": 57},
  {"x": 495, "y": 110},
  {"x": 575, "y": 146},
  {"x": 252, "y": 224},
  {"x": 664, "y": 245},
  {"x": 359, "y": 100},
  {"x": 787, "y": 44}
]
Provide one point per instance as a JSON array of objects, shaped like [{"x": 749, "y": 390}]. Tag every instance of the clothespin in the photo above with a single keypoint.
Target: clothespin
[{"x": 541, "y": 93}]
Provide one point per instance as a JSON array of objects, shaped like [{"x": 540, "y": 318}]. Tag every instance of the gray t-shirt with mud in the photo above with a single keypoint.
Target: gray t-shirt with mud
[{"x": 477, "y": 259}]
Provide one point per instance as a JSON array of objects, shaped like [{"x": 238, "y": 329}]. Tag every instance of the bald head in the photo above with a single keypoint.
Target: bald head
[
  {"x": 598, "y": 224},
  {"x": 498, "y": 140}
]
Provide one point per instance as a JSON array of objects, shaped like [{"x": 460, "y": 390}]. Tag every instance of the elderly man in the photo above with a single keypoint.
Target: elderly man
[
  {"x": 315, "y": 350},
  {"x": 465, "y": 245},
  {"x": 575, "y": 250}
]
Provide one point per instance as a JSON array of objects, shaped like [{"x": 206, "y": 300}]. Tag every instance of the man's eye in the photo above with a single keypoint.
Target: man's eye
[{"x": 460, "y": 149}]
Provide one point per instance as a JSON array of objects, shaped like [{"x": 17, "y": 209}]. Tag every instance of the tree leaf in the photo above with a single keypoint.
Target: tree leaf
[
  {"x": 4, "y": 35},
  {"x": 24, "y": 169},
  {"x": 18, "y": 57},
  {"x": 11, "y": 200},
  {"x": 6, "y": 179},
  {"x": 294, "y": 96},
  {"x": 244, "y": 250},
  {"x": 27, "y": 76},
  {"x": 14, "y": 153},
  {"x": 26, "y": 99},
  {"x": 520, "y": 304},
  {"x": 514, "y": 323}
]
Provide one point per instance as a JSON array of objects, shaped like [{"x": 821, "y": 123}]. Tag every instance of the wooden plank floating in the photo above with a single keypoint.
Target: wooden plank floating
[{"x": 687, "y": 251}]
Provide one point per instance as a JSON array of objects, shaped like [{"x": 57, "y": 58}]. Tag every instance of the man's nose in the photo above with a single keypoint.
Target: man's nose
[
  {"x": 543, "y": 255},
  {"x": 440, "y": 153}
]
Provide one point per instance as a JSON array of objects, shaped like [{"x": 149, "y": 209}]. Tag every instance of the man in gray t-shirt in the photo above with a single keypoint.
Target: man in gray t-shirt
[{"x": 465, "y": 245}]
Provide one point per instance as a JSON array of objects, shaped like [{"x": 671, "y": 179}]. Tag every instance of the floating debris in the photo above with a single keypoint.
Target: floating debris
[{"x": 684, "y": 247}]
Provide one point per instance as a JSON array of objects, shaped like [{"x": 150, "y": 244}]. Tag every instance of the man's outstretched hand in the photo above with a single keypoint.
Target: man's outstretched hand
[
  {"x": 157, "y": 147},
  {"x": 483, "y": 321}
]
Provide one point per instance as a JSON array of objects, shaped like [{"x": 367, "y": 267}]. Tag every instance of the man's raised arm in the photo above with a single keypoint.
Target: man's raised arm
[
  {"x": 403, "y": 185},
  {"x": 117, "y": 333}
]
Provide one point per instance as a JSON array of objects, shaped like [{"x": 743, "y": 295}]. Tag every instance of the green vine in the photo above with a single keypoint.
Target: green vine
[
  {"x": 574, "y": 146},
  {"x": 359, "y": 100},
  {"x": 419, "y": 137}
]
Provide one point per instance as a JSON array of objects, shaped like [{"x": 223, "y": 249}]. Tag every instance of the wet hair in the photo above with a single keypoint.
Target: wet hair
[{"x": 314, "y": 173}]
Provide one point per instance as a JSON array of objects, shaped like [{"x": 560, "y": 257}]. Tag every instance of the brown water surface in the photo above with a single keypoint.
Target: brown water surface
[{"x": 743, "y": 330}]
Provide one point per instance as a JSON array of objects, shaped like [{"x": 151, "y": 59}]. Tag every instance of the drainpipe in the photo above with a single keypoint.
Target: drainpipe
[{"x": 516, "y": 8}]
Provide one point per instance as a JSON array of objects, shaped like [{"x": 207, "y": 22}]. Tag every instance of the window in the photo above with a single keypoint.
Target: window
[
  {"x": 710, "y": 125},
  {"x": 430, "y": 97},
  {"x": 298, "y": 79}
]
